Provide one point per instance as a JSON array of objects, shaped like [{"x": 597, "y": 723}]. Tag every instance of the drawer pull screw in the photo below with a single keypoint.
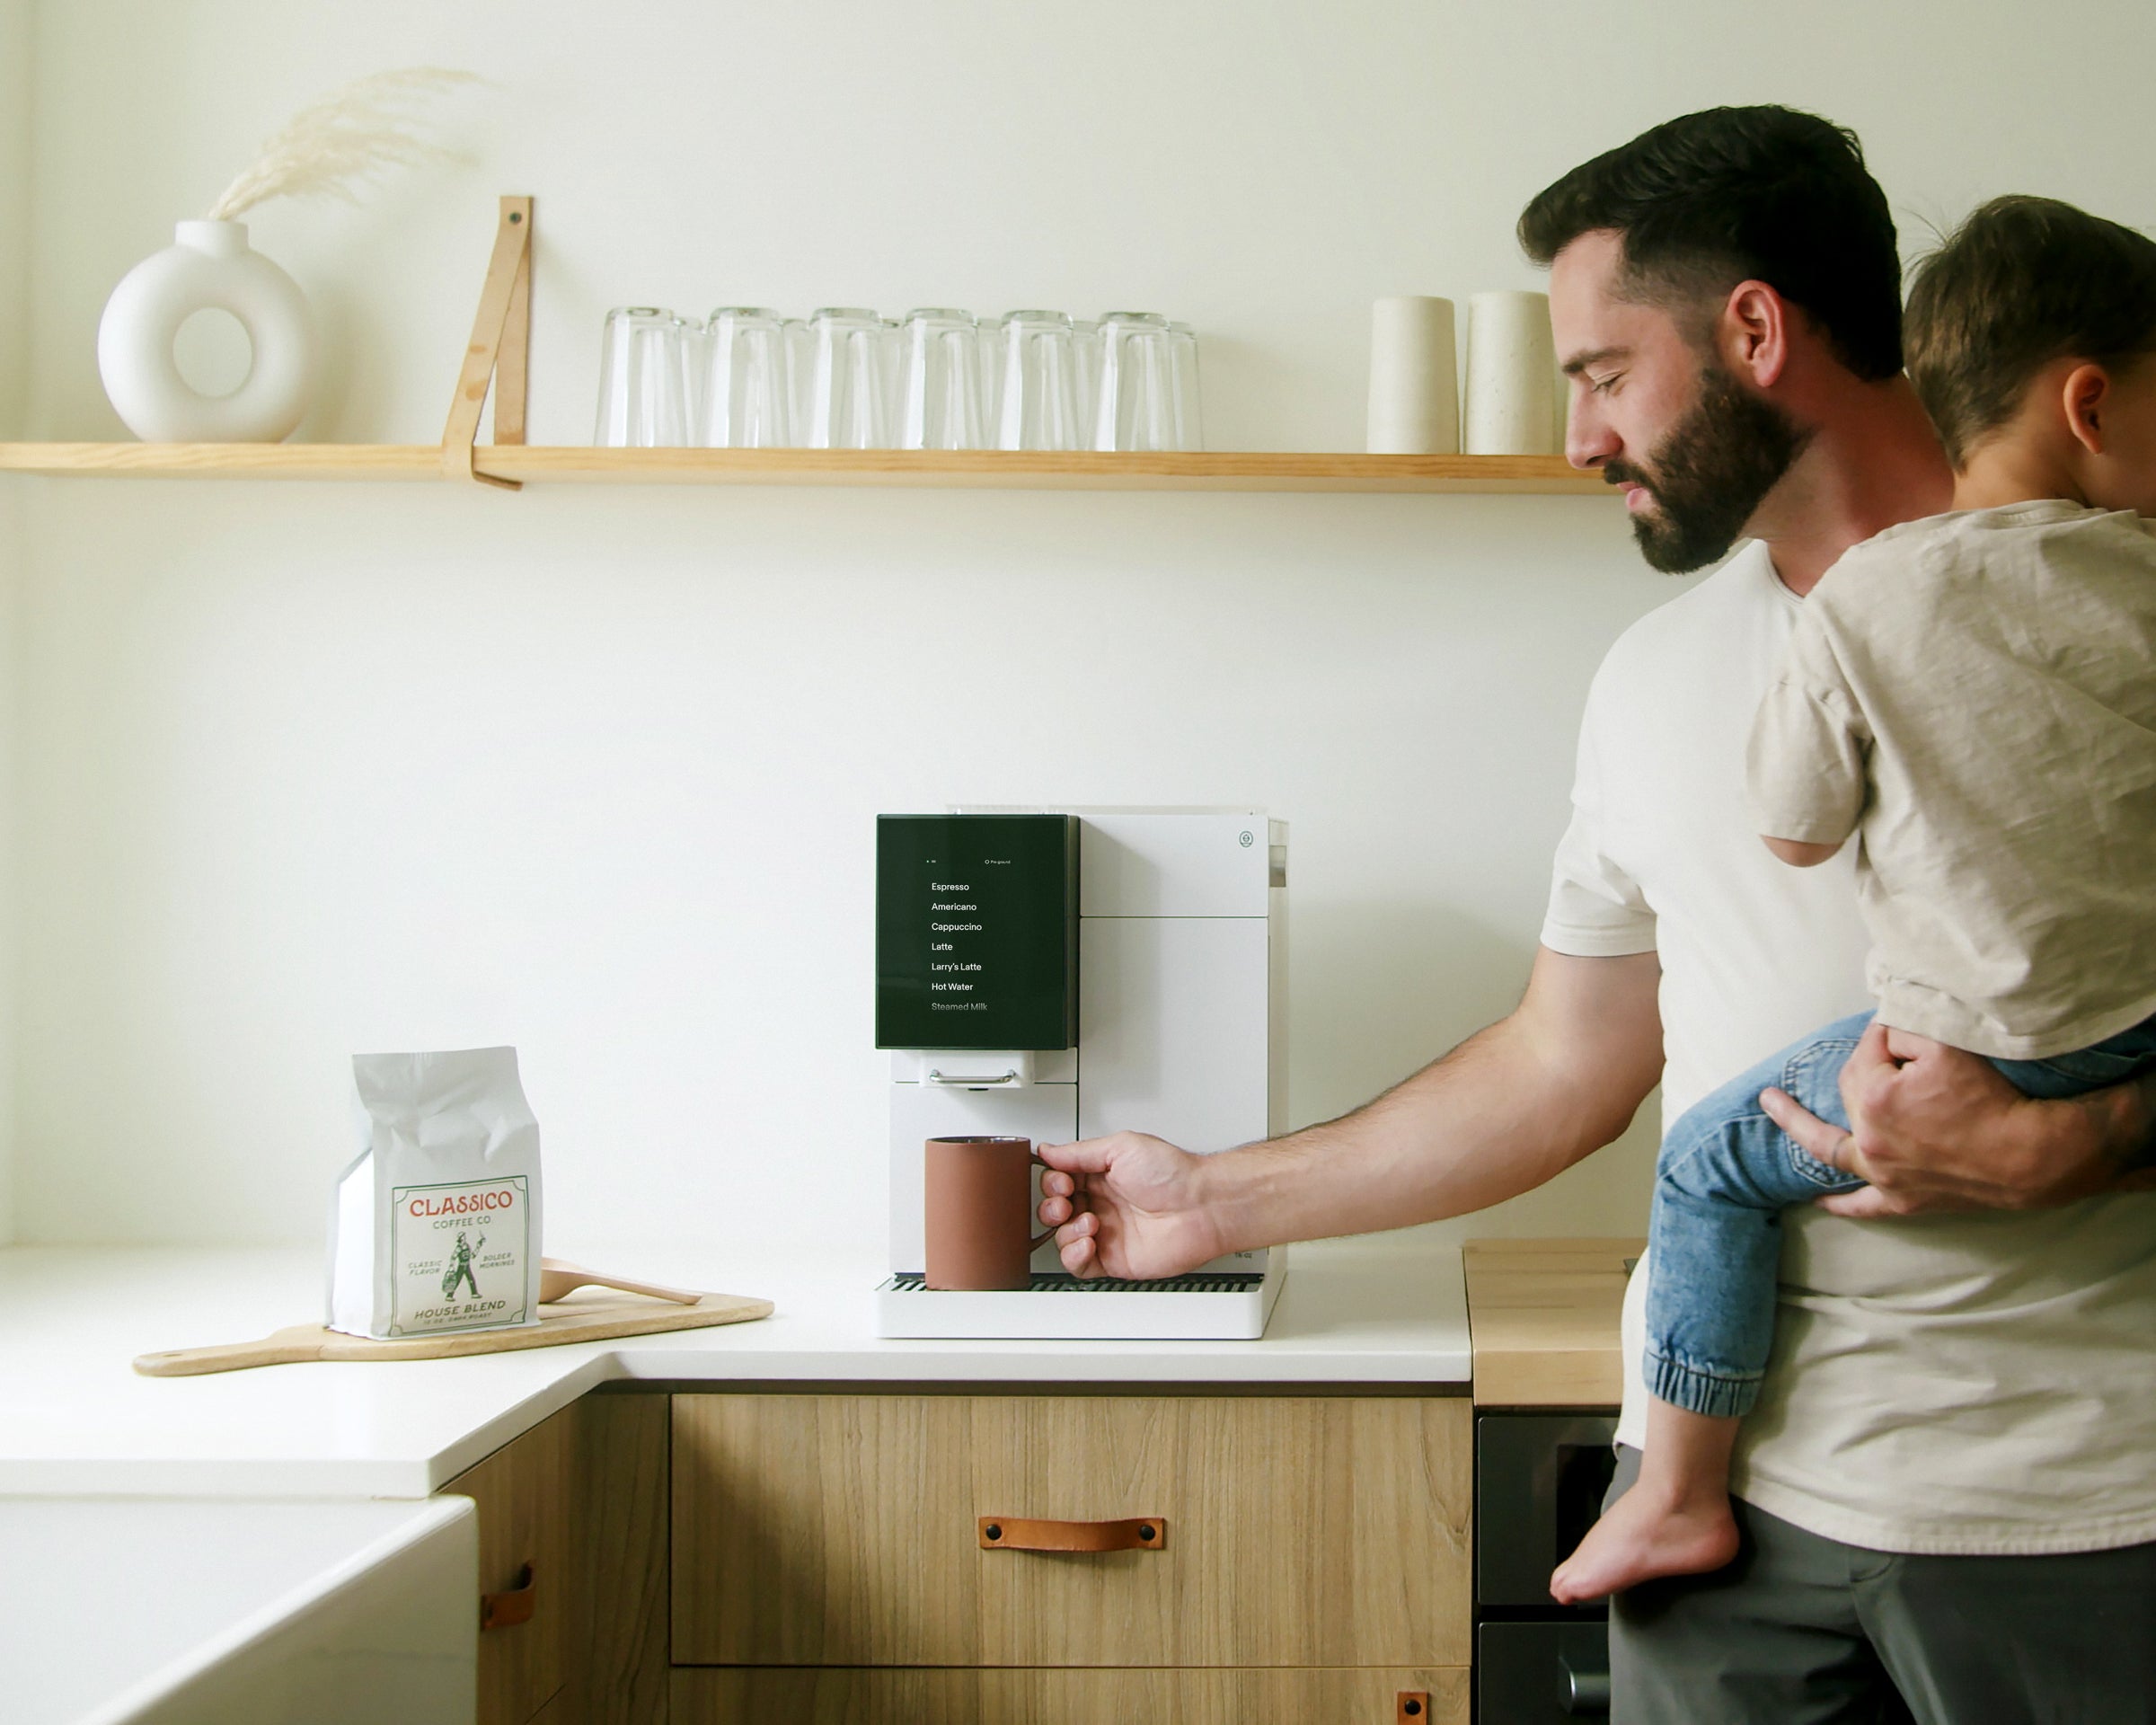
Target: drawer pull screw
[
  {"x": 1412, "y": 1703},
  {"x": 992, "y": 1531}
]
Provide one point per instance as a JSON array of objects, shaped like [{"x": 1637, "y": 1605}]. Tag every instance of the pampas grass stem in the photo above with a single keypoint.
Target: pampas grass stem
[{"x": 347, "y": 137}]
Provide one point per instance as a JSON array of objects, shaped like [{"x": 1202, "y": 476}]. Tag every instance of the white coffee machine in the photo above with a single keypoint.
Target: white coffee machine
[{"x": 1062, "y": 973}]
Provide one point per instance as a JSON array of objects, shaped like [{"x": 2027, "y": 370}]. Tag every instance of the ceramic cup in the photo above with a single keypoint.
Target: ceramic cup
[{"x": 980, "y": 1213}]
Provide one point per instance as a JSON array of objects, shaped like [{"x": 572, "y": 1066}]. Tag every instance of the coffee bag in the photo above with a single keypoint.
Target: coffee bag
[{"x": 435, "y": 1226}]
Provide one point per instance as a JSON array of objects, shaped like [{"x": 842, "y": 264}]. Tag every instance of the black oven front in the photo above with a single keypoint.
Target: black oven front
[{"x": 1539, "y": 1484}]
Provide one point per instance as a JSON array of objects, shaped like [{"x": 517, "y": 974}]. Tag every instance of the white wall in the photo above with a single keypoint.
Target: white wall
[
  {"x": 16, "y": 89},
  {"x": 306, "y": 770}
]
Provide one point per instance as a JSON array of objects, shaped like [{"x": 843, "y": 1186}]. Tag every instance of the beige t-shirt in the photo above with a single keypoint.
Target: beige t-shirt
[
  {"x": 1975, "y": 695},
  {"x": 1954, "y": 1384}
]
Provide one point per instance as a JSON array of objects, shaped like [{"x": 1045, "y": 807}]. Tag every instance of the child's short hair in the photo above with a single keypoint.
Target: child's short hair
[{"x": 2023, "y": 282}]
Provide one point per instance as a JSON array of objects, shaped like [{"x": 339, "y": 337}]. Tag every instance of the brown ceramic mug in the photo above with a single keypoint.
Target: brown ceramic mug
[{"x": 980, "y": 1213}]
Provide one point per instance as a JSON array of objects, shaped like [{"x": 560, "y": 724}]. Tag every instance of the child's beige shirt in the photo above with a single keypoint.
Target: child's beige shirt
[{"x": 1974, "y": 695}]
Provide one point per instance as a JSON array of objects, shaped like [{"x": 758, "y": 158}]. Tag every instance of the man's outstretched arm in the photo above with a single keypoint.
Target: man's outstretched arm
[
  {"x": 1938, "y": 1128},
  {"x": 1505, "y": 1110}
]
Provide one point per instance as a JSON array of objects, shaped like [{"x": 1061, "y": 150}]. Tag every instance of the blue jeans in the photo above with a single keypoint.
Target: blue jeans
[{"x": 1727, "y": 1172}]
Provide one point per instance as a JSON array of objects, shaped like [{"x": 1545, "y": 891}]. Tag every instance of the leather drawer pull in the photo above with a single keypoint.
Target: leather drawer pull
[
  {"x": 505, "y": 1610},
  {"x": 1412, "y": 1707},
  {"x": 1016, "y": 1533}
]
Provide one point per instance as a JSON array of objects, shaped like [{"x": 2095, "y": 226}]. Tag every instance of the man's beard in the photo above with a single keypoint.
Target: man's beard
[{"x": 1707, "y": 476}]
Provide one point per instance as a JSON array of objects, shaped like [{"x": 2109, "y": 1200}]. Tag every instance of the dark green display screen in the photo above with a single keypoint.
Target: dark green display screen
[{"x": 976, "y": 932}]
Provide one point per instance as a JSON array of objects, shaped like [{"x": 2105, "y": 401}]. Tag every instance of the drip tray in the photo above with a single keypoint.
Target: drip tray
[
  {"x": 1235, "y": 1281},
  {"x": 1208, "y": 1305}
]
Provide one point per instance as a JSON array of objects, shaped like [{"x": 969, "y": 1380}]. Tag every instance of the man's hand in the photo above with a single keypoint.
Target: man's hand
[
  {"x": 1939, "y": 1128},
  {"x": 1126, "y": 1206}
]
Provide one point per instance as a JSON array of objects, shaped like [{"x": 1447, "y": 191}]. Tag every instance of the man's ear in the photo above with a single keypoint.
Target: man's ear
[
  {"x": 2085, "y": 396},
  {"x": 1754, "y": 334}
]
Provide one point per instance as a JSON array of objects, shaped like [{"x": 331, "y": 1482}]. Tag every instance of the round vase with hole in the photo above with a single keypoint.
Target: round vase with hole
[{"x": 208, "y": 267}]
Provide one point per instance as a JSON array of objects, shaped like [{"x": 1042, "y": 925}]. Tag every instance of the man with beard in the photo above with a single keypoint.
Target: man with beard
[{"x": 1944, "y": 1513}]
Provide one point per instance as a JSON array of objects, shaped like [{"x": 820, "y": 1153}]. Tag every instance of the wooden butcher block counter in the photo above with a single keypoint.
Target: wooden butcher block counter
[{"x": 1542, "y": 1320}]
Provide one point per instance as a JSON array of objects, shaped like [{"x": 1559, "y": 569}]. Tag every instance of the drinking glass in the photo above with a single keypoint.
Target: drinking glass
[
  {"x": 1189, "y": 417},
  {"x": 744, "y": 402},
  {"x": 891, "y": 353},
  {"x": 991, "y": 330},
  {"x": 1039, "y": 395},
  {"x": 846, "y": 405},
  {"x": 1085, "y": 336},
  {"x": 800, "y": 378},
  {"x": 940, "y": 381},
  {"x": 644, "y": 386},
  {"x": 1134, "y": 408}
]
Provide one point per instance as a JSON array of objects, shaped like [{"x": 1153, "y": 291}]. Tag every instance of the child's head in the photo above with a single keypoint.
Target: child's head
[{"x": 2037, "y": 321}]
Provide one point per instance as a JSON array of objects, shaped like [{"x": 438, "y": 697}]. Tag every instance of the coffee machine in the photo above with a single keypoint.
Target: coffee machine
[{"x": 1061, "y": 973}]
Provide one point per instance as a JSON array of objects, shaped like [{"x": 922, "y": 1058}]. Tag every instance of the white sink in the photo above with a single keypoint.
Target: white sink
[{"x": 172, "y": 1611}]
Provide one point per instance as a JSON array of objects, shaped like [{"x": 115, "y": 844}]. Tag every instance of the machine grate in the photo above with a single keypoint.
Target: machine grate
[{"x": 1234, "y": 1281}]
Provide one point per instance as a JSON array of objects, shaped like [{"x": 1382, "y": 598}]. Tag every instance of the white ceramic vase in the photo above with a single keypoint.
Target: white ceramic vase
[{"x": 208, "y": 267}]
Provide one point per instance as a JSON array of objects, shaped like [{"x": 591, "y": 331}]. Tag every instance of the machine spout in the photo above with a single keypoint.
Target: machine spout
[{"x": 968, "y": 1070}]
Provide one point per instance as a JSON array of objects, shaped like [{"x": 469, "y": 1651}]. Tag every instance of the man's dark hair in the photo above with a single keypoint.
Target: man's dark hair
[
  {"x": 2023, "y": 282},
  {"x": 1735, "y": 194}
]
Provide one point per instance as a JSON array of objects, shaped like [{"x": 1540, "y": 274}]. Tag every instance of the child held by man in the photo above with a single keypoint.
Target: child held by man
[{"x": 1972, "y": 697}]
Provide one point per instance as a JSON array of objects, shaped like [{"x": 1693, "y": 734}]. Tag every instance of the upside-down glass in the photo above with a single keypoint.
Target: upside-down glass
[
  {"x": 644, "y": 386},
  {"x": 940, "y": 393},
  {"x": 800, "y": 377},
  {"x": 1085, "y": 336},
  {"x": 1039, "y": 397},
  {"x": 744, "y": 398},
  {"x": 1134, "y": 406},
  {"x": 1189, "y": 415},
  {"x": 847, "y": 404},
  {"x": 992, "y": 376}
]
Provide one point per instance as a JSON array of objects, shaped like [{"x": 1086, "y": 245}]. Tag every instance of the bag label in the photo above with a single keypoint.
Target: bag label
[{"x": 457, "y": 1254}]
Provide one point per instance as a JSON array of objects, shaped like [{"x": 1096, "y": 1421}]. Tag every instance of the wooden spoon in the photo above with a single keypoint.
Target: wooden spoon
[{"x": 557, "y": 1278}]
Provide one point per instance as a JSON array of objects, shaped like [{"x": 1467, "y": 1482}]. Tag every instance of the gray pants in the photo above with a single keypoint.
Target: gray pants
[{"x": 1803, "y": 1630}]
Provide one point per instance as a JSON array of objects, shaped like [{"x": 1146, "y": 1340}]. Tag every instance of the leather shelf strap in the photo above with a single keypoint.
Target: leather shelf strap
[
  {"x": 503, "y": 1610},
  {"x": 1018, "y": 1533}
]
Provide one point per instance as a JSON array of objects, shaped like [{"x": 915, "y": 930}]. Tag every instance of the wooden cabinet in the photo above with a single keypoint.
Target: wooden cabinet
[
  {"x": 524, "y": 1493},
  {"x": 582, "y": 1499},
  {"x": 819, "y": 1560},
  {"x": 1323, "y": 1536},
  {"x": 896, "y": 1696}
]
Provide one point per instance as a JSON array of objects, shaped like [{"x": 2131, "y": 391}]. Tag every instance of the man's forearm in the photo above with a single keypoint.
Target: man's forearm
[
  {"x": 1509, "y": 1109},
  {"x": 1937, "y": 1127},
  {"x": 2089, "y": 1142}
]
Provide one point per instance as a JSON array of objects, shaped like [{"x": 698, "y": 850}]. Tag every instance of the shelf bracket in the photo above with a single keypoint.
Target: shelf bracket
[{"x": 501, "y": 338}]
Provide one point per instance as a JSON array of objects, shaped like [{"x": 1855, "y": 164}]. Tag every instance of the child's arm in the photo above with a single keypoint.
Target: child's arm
[
  {"x": 1807, "y": 761},
  {"x": 1799, "y": 854}
]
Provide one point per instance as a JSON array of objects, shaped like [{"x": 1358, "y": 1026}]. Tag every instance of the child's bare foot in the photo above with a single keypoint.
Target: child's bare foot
[{"x": 1644, "y": 1535}]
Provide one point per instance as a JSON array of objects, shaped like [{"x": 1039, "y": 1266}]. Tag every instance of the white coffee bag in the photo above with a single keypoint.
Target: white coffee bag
[{"x": 436, "y": 1225}]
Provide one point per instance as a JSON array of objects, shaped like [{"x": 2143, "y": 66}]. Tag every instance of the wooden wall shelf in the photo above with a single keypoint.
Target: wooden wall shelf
[
  {"x": 1195, "y": 471},
  {"x": 495, "y": 366}
]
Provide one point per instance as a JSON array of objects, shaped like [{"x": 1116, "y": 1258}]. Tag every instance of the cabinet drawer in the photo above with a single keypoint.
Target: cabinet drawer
[
  {"x": 844, "y": 1530},
  {"x": 1007, "y": 1697},
  {"x": 524, "y": 1492}
]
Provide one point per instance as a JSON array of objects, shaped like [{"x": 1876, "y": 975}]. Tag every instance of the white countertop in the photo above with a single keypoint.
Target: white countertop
[
  {"x": 75, "y": 1420},
  {"x": 109, "y": 1606}
]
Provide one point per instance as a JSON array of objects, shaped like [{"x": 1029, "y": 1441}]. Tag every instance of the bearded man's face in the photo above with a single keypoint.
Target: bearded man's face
[
  {"x": 1695, "y": 449},
  {"x": 1710, "y": 473}
]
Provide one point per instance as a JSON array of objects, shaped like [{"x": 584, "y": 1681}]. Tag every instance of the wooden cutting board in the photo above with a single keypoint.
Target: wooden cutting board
[{"x": 593, "y": 1315}]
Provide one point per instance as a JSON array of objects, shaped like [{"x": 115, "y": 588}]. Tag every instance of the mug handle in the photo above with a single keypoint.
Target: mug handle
[{"x": 1040, "y": 1240}]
